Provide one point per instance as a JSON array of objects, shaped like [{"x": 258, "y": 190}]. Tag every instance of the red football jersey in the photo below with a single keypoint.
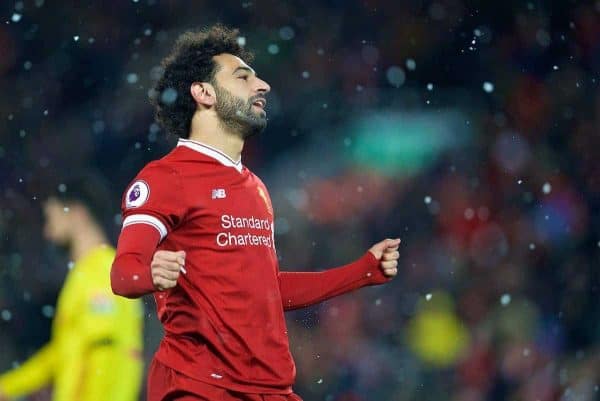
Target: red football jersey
[{"x": 224, "y": 321}]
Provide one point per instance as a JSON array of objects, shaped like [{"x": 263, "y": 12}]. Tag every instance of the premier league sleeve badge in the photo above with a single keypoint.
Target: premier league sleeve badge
[{"x": 137, "y": 194}]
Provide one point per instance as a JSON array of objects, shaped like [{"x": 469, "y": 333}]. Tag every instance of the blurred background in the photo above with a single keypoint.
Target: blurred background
[{"x": 470, "y": 129}]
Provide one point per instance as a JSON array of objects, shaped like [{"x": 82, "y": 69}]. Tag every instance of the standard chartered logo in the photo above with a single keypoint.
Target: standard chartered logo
[{"x": 237, "y": 238}]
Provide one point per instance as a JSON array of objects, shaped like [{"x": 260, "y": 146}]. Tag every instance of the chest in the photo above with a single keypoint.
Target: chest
[
  {"x": 239, "y": 204},
  {"x": 70, "y": 300}
]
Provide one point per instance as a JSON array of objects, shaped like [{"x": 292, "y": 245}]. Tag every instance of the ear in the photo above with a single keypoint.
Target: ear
[{"x": 203, "y": 93}]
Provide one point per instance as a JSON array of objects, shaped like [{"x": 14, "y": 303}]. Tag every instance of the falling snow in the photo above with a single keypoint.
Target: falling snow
[
  {"x": 48, "y": 311},
  {"x": 395, "y": 76},
  {"x": 168, "y": 96},
  {"x": 132, "y": 78},
  {"x": 547, "y": 188},
  {"x": 488, "y": 87},
  {"x": 6, "y": 315},
  {"x": 521, "y": 226},
  {"x": 286, "y": 33}
]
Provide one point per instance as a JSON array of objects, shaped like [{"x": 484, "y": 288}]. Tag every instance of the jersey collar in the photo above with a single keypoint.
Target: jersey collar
[{"x": 211, "y": 152}]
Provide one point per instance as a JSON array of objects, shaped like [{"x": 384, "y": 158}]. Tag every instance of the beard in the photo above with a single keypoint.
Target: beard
[{"x": 237, "y": 115}]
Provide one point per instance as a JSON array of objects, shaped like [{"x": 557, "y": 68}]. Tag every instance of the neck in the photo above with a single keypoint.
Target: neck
[
  {"x": 88, "y": 237},
  {"x": 207, "y": 129}
]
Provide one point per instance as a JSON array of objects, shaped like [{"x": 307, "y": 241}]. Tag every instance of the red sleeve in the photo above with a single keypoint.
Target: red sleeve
[
  {"x": 152, "y": 206},
  {"x": 301, "y": 289},
  {"x": 155, "y": 198},
  {"x": 130, "y": 275}
]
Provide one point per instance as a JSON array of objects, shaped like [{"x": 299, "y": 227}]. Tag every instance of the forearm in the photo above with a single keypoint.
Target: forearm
[
  {"x": 302, "y": 289},
  {"x": 32, "y": 375},
  {"x": 130, "y": 275}
]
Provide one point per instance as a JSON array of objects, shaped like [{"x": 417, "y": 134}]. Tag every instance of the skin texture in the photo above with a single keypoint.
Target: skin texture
[
  {"x": 238, "y": 114},
  {"x": 238, "y": 93},
  {"x": 215, "y": 122}
]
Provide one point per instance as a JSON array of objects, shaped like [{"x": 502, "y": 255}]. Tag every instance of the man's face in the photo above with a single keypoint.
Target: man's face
[
  {"x": 240, "y": 96},
  {"x": 57, "y": 221}
]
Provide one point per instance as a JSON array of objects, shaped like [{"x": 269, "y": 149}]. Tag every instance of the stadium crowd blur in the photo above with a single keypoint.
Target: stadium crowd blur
[{"x": 469, "y": 129}]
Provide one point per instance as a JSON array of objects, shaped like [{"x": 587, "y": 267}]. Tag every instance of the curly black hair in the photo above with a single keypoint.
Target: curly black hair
[{"x": 191, "y": 61}]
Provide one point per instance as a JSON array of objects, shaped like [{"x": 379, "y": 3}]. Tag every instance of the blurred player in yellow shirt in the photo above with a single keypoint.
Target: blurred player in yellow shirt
[{"x": 95, "y": 350}]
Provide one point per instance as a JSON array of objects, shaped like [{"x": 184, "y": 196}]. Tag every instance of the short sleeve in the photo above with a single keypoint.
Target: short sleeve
[{"x": 155, "y": 197}]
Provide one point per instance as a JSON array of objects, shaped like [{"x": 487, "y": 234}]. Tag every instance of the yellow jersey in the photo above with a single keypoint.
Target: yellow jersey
[{"x": 95, "y": 350}]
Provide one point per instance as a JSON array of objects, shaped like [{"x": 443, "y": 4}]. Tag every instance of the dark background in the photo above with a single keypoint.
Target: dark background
[{"x": 469, "y": 129}]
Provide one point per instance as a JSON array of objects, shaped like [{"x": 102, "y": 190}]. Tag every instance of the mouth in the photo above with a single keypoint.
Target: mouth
[{"x": 260, "y": 103}]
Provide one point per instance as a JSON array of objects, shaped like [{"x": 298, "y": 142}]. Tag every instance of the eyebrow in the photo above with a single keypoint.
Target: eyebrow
[{"x": 250, "y": 70}]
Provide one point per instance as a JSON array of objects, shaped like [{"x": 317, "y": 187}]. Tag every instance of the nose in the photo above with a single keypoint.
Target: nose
[{"x": 263, "y": 87}]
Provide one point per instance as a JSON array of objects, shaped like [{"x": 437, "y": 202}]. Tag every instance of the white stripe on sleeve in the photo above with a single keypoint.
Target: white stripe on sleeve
[{"x": 146, "y": 219}]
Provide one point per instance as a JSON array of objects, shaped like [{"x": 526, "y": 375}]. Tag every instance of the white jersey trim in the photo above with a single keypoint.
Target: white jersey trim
[
  {"x": 146, "y": 219},
  {"x": 211, "y": 152}
]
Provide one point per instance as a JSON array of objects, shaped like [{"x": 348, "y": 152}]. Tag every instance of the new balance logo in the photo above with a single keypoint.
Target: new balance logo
[{"x": 218, "y": 193}]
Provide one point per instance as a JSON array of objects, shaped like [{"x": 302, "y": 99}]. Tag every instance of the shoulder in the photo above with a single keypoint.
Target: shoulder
[
  {"x": 161, "y": 168},
  {"x": 257, "y": 179},
  {"x": 105, "y": 255},
  {"x": 169, "y": 164},
  {"x": 156, "y": 170},
  {"x": 138, "y": 191},
  {"x": 97, "y": 260},
  {"x": 156, "y": 175}
]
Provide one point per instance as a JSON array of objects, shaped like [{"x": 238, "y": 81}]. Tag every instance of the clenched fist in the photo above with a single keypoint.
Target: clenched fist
[
  {"x": 166, "y": 267},
  {"x": 387, "y": 253}
]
